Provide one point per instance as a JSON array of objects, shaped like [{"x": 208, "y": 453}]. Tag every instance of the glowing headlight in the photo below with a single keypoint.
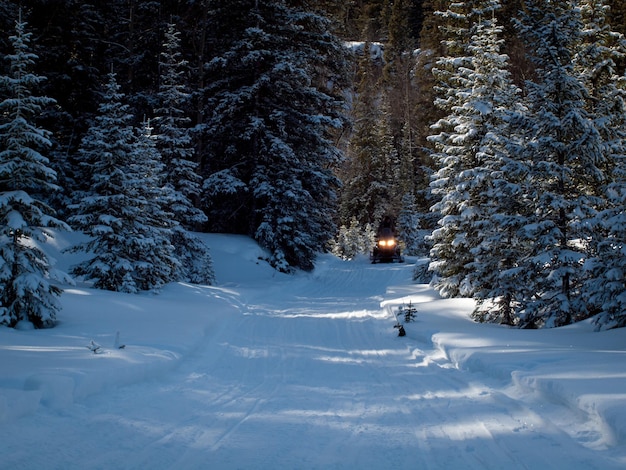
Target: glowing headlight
[{"x": 386, "y": 242}]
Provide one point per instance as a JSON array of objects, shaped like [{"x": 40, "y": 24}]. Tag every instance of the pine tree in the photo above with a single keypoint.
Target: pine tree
[
  {"x": 25, "y": 176},
  {"x": 409, "y": 228},
  {"x": 182, "y": 180},
  {"x": 399, "y": 63},
  {"x": 352, "y": 240},
  {"x": 564, "y": 151},
  {"x": 457, "y": 143},
  {"x": 501, "y": 283},
  {"x": 270, "y": 115},
  {"x": 401, "y": 95},
  {"x": 605, "y": 288},
  {"x": 69, "y": 43},
  {"x": 602, "y": 49},
  {"x": 150, "y": 223},
  {"x": 366, "y": 191},
  {"x": 173, "y": 133},
  {"x": 426, "y": 112},
  {"x": 369, "y": 190},
  {"x": 124, "y": 212},
  {"x": 132, "y": 46},
  {"x": 493, "y": 209}
]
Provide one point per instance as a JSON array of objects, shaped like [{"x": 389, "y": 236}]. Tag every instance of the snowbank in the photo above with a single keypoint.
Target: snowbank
[
  {"x": 329, "y": 332},
  {"x": 573, "y": 367}
]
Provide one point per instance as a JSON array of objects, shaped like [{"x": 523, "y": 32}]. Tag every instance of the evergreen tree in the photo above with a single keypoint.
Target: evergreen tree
[
  {"x": 173, "y": 134},
  {"x": 365, "y": 194},
  {"x": 151, "y": 224},
  {"x": 495, "y": 207},
  {"x": 124, "y": 212},
  {"x": 70, "y": 46},
  {"x": 400, "y": 100},
  {"x": 427, "y": 108},
  {"x": 564, "y": 151},
  {"x": 605, "y": 289},
  {"x": 372, "y": 159},
  {"x": 602, "y": 49},
  {"x": 25, "y": 176},
  {"x": 352, "y": 240},
  {"x": 182, "y": 180},
  {"x": 132, "y": 48},
  {"x": 269, "y": 156},
  {"x": 409, "y": 228},
  {"x": 457, "y": 142}
]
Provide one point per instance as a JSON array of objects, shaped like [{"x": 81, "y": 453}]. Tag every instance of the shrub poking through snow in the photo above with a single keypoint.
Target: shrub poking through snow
[{"x": 408, "y": 311}]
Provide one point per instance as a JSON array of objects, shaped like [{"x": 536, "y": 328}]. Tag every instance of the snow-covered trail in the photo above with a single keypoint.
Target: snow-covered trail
[{"x": 308, "y": 375}]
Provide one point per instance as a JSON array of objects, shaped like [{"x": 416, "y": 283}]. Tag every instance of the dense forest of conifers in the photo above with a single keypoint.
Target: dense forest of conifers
[
  {"x": 292, "y": 121},
  {"x": 79, "y": 43}
]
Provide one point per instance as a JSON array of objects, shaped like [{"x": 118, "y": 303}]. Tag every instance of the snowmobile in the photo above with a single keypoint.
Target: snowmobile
[{"x": 386, "y": 249}]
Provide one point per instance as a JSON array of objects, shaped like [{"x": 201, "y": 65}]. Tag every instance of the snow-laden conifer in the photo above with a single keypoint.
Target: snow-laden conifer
[
  {"x": 26, "y": 291},
  {"x": 604, "y": 289},
  {"x": 124, "y": 213},
  {"x": 409, "y": 228},
  {"x": 173, "y": 133},
  {"x": 181, "y": 179},
  {"x": 273, "y": 99},
  {"x": 149, "y": 220},
  {"x": 457, "y": 139},
  {"x": 565, "y": 154},
  {"x": 494, "y": 207},
  {"x": 353, "y": 240},
  {"x": 368, "y": 176}
]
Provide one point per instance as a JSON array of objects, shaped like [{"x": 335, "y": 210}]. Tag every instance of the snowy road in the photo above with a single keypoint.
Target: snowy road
[{"x": 307, "y": 372}]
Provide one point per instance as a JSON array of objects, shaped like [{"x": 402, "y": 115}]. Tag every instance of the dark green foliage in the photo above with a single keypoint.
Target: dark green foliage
[
  {"x": 408, "y": 312},
  {"x": 248, "y": 106},
  {"x": 124, "y": 210},
  {"x": 268, "y": 155},
  {"x": 26, "y": 290}
]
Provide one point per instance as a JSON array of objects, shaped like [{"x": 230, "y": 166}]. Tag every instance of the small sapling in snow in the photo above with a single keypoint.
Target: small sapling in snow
[{"x": 408, "y": 311}]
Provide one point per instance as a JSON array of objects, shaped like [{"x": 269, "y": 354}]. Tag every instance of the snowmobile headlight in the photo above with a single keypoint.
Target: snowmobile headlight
[{"x": 386, "y": 242}]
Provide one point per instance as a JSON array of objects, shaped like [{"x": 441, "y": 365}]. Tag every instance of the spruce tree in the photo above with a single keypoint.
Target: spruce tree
[
  {"x": 123, "y": 213},
  {"x": 274, "y": 100},
  {"x": 425, "y": 111},
  {"x": 605, "y": 287},
  {"x": 182, "y": 181},
  {"x": 399, "y": 65},
  {"x": 602, "y": 49},
  {"x": 409, "y": 227},
  {"x": 564, "y": 151},
  {"x": 27, "y": 293},
  {"x": 173, "y": 133},
  {"x": 457, "y": 140},
  {"x": 366, "y": 192},
  {"x": 150, "y": 223},
  {"x": 352, "y": 240},
  {"x": 372, "y": 159},
  {"x": 401, "y": 96},
  {"x": 495, "y": 206}
]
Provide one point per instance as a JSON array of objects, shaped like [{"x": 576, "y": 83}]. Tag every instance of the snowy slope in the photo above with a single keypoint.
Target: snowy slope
[{"x": 266, "y": 370}]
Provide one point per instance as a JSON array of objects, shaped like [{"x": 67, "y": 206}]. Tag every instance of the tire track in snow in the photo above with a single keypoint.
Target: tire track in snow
[
  {"x": 334, "y": 373},
  {"x": 314, "y": 376}
]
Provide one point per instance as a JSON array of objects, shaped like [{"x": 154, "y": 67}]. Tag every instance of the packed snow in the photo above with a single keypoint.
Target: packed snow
[{"x": 265, "y": 370}]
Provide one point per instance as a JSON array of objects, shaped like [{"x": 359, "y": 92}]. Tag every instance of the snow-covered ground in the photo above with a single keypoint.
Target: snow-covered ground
[{"x": 270, "y": 371}]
